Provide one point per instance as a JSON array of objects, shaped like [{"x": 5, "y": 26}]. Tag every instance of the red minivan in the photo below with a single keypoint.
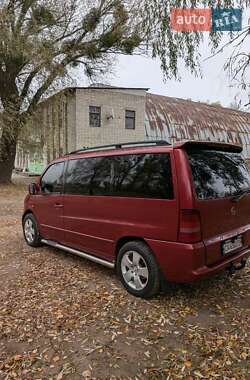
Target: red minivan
[{"x": 151, "y": 210}]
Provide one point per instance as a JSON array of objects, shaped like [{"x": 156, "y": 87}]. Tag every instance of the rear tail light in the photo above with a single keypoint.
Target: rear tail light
[{"x": 190, "y": 226}]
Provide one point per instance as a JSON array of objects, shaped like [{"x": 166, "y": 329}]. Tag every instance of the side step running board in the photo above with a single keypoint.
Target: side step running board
[{"x": 78, "y": 253}]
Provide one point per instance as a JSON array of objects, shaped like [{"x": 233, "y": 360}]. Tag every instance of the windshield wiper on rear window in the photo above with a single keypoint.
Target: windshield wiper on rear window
[{"x": 240, "y": 195}]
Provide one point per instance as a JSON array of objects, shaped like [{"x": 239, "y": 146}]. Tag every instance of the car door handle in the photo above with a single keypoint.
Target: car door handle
[{"x": 58, "y": 205}]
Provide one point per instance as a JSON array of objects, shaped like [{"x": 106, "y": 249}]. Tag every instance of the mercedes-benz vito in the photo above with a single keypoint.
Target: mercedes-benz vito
[{"x": 150, "y": 210}]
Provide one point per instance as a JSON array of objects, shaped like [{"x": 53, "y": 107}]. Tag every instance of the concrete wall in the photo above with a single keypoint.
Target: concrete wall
[
  {"x": 58, "y": 125},
  {"x": 61, "y": 123},
  {"x": 112, "y": 102},
  {"x": 48, "y": 134}
]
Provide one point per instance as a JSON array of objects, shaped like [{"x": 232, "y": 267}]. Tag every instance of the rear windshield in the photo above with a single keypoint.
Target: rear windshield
[{"x": 218, "y": 174}]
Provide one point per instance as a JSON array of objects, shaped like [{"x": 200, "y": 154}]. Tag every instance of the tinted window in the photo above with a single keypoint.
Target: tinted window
[
  {"x": 146, "y": 176},
  {"x": 52, "y": 180},
  {"x": 89, "y": 176},
  {"x": 218, "y": 174}
]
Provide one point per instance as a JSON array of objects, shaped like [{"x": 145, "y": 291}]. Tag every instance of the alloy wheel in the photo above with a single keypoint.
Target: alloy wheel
[
  {"x": 29, "y": 230},
  {"x": 134, "y": 270}
]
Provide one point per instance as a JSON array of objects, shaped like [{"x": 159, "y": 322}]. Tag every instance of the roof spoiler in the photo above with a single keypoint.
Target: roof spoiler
[{"x": 209, "y": 145}]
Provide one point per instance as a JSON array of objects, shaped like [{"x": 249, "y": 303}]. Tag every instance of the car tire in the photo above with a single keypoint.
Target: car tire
[
  {"x": 138, "y": 269},
  {"x": 30, "y": 231}
]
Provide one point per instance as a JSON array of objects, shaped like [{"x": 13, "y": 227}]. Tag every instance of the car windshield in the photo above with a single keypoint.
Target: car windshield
[{"x": 218, "y": 174}]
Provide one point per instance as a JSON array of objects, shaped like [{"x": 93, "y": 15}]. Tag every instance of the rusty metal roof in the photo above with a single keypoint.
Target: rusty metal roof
[{"x": 175, "y": 119}]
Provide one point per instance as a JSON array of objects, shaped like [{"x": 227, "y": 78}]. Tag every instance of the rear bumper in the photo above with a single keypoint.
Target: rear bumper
[
  {"x": 227, "y": 263},
  {"x": 187, "y": 262}
]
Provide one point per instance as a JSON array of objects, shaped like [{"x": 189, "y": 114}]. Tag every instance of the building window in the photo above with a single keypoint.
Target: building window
[
  {"x": 129, "y": 119},
  {"x": 94, "y": 116}
]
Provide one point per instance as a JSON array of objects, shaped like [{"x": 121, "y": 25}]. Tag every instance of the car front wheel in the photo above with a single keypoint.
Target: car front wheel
[
  {"x": 30, "y": 231},
  {"x": 138, "y": 270}
]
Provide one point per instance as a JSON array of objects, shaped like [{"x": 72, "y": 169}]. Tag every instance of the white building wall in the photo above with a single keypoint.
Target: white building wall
[
  {"x": 70, "y": 137},
  {"x": 113, "y": 103}
]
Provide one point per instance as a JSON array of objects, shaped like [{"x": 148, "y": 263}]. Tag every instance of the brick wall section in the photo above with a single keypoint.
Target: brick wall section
[
  {"x": 70, "y": 123},
  {"x": 112, "y": 102},
  {"x": 62, "y": 121},
  {"x": 53, "y": 131},
  {"x": 57, "y": 118}
]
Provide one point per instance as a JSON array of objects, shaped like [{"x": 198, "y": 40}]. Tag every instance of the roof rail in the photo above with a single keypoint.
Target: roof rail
[{"x": 121, "y": 145}]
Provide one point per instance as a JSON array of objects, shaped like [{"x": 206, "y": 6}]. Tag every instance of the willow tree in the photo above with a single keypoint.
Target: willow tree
[
  {"x": 41, "y": 41},
  {"x": 177, "y": 48}
]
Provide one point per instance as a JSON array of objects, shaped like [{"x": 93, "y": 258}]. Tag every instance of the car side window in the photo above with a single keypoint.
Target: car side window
[
  {"x": 143, "y": 176},
  {"x": 137, "y": 175},
  {"x": 52, "y": 180},
  {"x": 89, "y": 176}
]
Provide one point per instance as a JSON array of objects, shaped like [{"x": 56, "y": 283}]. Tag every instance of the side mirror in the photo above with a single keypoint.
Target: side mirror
[{"x": 33, "y": 188}]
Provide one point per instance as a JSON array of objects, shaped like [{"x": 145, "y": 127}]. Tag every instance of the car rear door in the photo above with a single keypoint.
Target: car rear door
[
  {"x": 48, "y": 204},
  {"x": 218, "y": 177}
]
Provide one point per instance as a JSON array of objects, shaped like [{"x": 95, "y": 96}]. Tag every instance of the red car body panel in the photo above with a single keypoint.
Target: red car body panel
[
  {"x": 218, "y": 222},
  {"x": 49, "y": 213},
  {"x": 96, "y": 224},
  {"x": 184, "y": 263},
  {"x": 99, "y": 222}
]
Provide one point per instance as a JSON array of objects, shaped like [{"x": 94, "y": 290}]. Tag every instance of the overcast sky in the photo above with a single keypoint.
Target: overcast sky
[
  {"x": 136, "y": 71},
  {"x": 145, "y": 72}
]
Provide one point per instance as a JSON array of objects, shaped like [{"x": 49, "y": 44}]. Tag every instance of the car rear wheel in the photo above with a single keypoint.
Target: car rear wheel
[
  {"x": 138, "y": 270},
  {"x": 30, "y": 231}
]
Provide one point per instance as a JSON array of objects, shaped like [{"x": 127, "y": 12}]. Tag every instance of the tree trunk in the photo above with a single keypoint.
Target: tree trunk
[
  {"x": 8, "y": 142},
  {"x": 6, "y": 168}
]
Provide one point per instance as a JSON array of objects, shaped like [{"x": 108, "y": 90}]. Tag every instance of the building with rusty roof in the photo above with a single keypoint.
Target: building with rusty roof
[
  {"x": 99, "y": 115},
  {"x": 174, "y": 119}
]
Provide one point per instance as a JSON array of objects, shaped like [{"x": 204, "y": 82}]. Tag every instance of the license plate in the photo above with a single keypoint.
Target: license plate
[{"x": 230, "y": 245}]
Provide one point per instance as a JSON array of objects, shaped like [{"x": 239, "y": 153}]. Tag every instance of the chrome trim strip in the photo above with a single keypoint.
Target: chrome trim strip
[{"x": 87, "y": 256}]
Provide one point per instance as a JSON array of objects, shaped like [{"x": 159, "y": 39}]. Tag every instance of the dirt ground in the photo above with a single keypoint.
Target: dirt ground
[{"x": 62, "y": 317}]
